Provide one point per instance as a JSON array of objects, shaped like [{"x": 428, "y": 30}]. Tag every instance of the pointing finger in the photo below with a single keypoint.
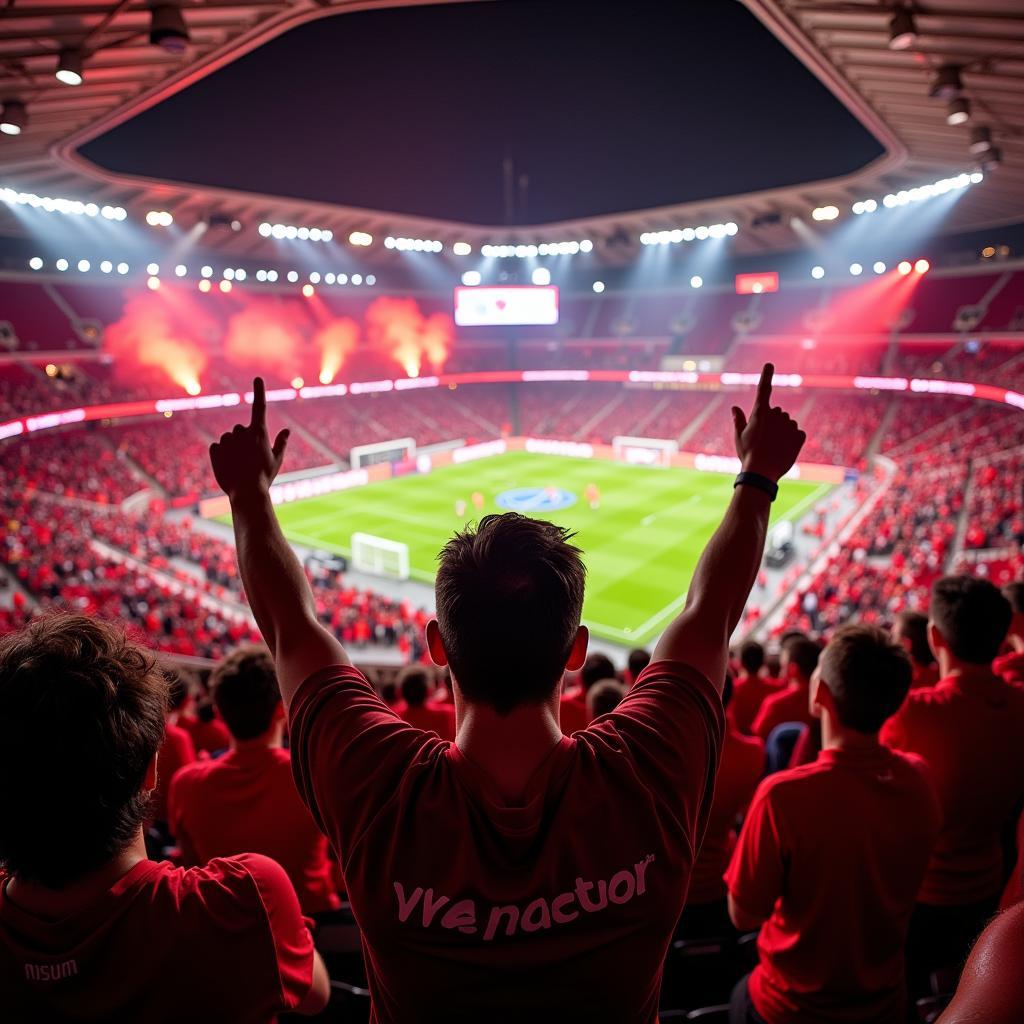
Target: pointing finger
[
  {"x": 764, "y": 386},
  {"x": 259, "y": 403}
]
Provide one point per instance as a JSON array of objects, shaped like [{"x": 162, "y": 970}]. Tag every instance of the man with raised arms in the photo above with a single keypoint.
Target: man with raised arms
[{"x": 515, "y": 871}]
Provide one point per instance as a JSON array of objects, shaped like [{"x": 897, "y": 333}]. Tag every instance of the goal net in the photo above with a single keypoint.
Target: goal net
[
  {"x": 645, "y": 451},
  {"x": 380, "y": 556},
  {"x": 399, "y": 450}
]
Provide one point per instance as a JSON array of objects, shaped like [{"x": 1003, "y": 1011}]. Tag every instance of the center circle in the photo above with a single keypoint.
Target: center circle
[{"x": 535, "y": 499}]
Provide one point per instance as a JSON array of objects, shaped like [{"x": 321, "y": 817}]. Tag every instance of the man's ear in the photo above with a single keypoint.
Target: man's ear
[
  {"x": 819, "y": 696},
  {"x": 578, "y": 654},
  {"x": 936, "y": 641},
  {"x": 149, "y": 782},
  {"x": 435, "y": 646}
]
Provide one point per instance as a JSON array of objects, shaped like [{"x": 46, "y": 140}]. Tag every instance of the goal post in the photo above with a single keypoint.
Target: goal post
[
  {"x": 645, "y": 451},
  {"x": 398, "y": 450},
  {"x": 379, "y": 556}
]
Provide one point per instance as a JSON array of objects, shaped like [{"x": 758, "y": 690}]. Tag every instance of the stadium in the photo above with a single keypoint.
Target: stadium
[{"x": 470, "y": 293}]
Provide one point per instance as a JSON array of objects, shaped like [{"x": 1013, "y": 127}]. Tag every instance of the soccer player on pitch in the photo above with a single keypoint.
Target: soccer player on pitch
[
  {"x": 593, "y": 495},
  {"x": 515, "y": 852}
]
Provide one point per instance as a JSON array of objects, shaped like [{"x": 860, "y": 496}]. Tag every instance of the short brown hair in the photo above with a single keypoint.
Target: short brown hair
[
  {"x": 972, "y": 616},
  {"x": 245, "y": 691},
  {"x": 604, "y": 696},
  {"x": 867, "y": 674},
  {"x": 83, "y": 717},
  {"x": 509, "y": 600}
]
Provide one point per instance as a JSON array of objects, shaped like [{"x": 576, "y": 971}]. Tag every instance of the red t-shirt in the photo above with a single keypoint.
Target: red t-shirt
[
  {"x": 750, "y": 693},
  {"x": 923, "y": 676},
  {"x": 971, "y": 733},
  {"x": 439, "y": 718},
  {"x": 226, "y": 942},
  {"x": 741, "y": 770},
  {"x": 788, "y": 705},
  {"x": 572, "y": 711},
  {"x": 246, "y": 802},
  {"x": 463, "y": 897},
  {"x": 176, "y": 751},
  {"x": 832, "y": 854},
  {"x": 1010, "y": 667},
  {"x": 209, "y": 736}
]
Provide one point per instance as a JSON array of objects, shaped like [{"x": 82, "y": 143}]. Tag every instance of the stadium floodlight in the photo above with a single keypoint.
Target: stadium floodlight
[
  {"x": 153, "y": 269},
  {"x": 357, "y": 279},
  {"x": 343, "y": 279},
  {"x": 36, "y": 263},
  {"x": 856, "y": 269},
  {"x": 261, "y": 275},
  {"x": 159, "y": 219},
  {"x": 122, "y": 268},
  {"x": 360, "y": 238},
  {"x": 598, "y": 286},
  {"x": 180, "y": 270},
  {"x": 314, "y": 277},
  {"x": 106, "y": 267},
  {"x": 205, "y": 285},
  {"x": 825, "y": 212},
  {"x": 462, "y": 248},
  {"x": 471, "y": 278},
  {"x": 308, "y": 290},
  {"x": 84, "y": 266},
  {"x": 977, "y": 178},
  {"x": 272, "y": 276},
  {"x": 114, "y": 212},
  {"x": 541, "y": 276},
  {"x": 13, "y": 117},
  {"x": 922, "y": 266},
  {"x": 293, "y": 276},
  {"x": 864, "y": 206},
  {"x": 413, "y": 244},
  {"x": 817, "y": 273},
  {"x": 153, "y": 283},
  {"x": 696, "y": 281},
  {"x": 225, "y": 286},
  {"x": 689, "y": 234},
  {"x": 981, "y": 139},
  {"x": 206, "y": 271},
  {"x": 902, "y": 29},
  {"x": 905, "y": 267},
  {"x": 946, "y": 84},
  {"x": 878, "y": 267},
  {"x": 330, "y": 277},
  {"x": 229, "y": 274},
  {"x": 991, "y": 160},
  {"x": 266, "y": 229},
  {"x": 958, "y": 111},
  {"x": 62, "y": 264},
  {"x": 370, "y": 280},
  {"x": 69, "y": 67},
  {"x": 167, "y": 28}
]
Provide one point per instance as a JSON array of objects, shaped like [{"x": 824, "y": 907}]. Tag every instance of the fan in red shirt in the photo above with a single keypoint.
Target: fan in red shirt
[
  {"x": 417, "y": 710},
  {"x": 517, "y": 872},
  {"x": 706, "y": 913},
  {"x": 753, "y": 687},
  {"x": 1011, "y": 664},
  {"x": 910, "y": 631},
  {"x": 968, "y": 727},
  {"x": 90, "y": 929},
  {"x": 245, "y": 801},
  {"x": 831, "y": 855},
  {"x": 797, "y": 662},
  {"x": 208, "y": 732},
  {"x": 573, "y": 713}
]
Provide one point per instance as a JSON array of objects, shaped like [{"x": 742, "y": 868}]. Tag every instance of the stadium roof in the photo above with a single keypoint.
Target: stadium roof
[{"x": 846, "y": 44}]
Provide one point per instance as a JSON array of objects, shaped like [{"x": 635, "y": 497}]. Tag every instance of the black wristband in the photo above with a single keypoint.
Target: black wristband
[{"x": 762, "y": 483}]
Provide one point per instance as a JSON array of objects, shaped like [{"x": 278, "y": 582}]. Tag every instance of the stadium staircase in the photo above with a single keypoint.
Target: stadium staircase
[
  {"x": 313, "y": 441},
  {"x": 562, "y": 411},
  {"x": 883, "y": 426},
  {"x": 698, "y": 421},
  {"x": 651, "y": 416},
  {"x": 587, "y": 428},
  {"x": 491, "y": 428}
]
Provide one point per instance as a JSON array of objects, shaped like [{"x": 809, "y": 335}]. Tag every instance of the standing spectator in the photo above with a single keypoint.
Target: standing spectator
[
  {"x": 636, "y": 661},
  {"x": 90, "y": 929},
  {"x": 414, "y": 686},
  {"x": 564, "y": 860},
  {"x": 797, "y": 662},
  {"x": 753, "y": 687},
  {"x": 706, "y": 913},
  {"x": 208, "y": 732},
  {"x": 831, "y": 855},
  {"x": 604, "y": 697},
  {"x": 969, "y": 728},
  {"x": 573, "y": 712},
  {"x": 246, "y": 800},
  {"x": 176, "y": 751},
  {"x": 910, "y": 631},
  {"x": 1011, "y": 665}
]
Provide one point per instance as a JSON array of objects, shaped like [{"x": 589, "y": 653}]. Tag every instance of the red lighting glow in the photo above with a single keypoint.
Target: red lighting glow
[{"x": 755, "y": 284}]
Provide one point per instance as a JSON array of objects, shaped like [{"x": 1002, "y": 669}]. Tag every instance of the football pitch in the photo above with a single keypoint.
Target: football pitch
[{"x": 640, "y": 545}]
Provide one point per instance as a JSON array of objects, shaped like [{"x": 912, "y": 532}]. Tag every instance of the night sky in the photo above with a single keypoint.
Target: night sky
[{"x": 606, "y": 107}]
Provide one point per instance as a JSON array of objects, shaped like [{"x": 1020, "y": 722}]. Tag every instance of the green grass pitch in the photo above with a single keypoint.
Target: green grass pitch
[{"x": 640, "y": 546}]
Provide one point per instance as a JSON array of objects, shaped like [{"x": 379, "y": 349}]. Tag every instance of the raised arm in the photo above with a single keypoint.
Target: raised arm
[
  {"x": 767, "y": 445},
  {"x": 245, "y": 464}
]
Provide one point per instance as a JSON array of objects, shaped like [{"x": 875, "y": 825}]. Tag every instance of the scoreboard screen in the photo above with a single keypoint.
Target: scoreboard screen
[{"x": 506, "y": 306}]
